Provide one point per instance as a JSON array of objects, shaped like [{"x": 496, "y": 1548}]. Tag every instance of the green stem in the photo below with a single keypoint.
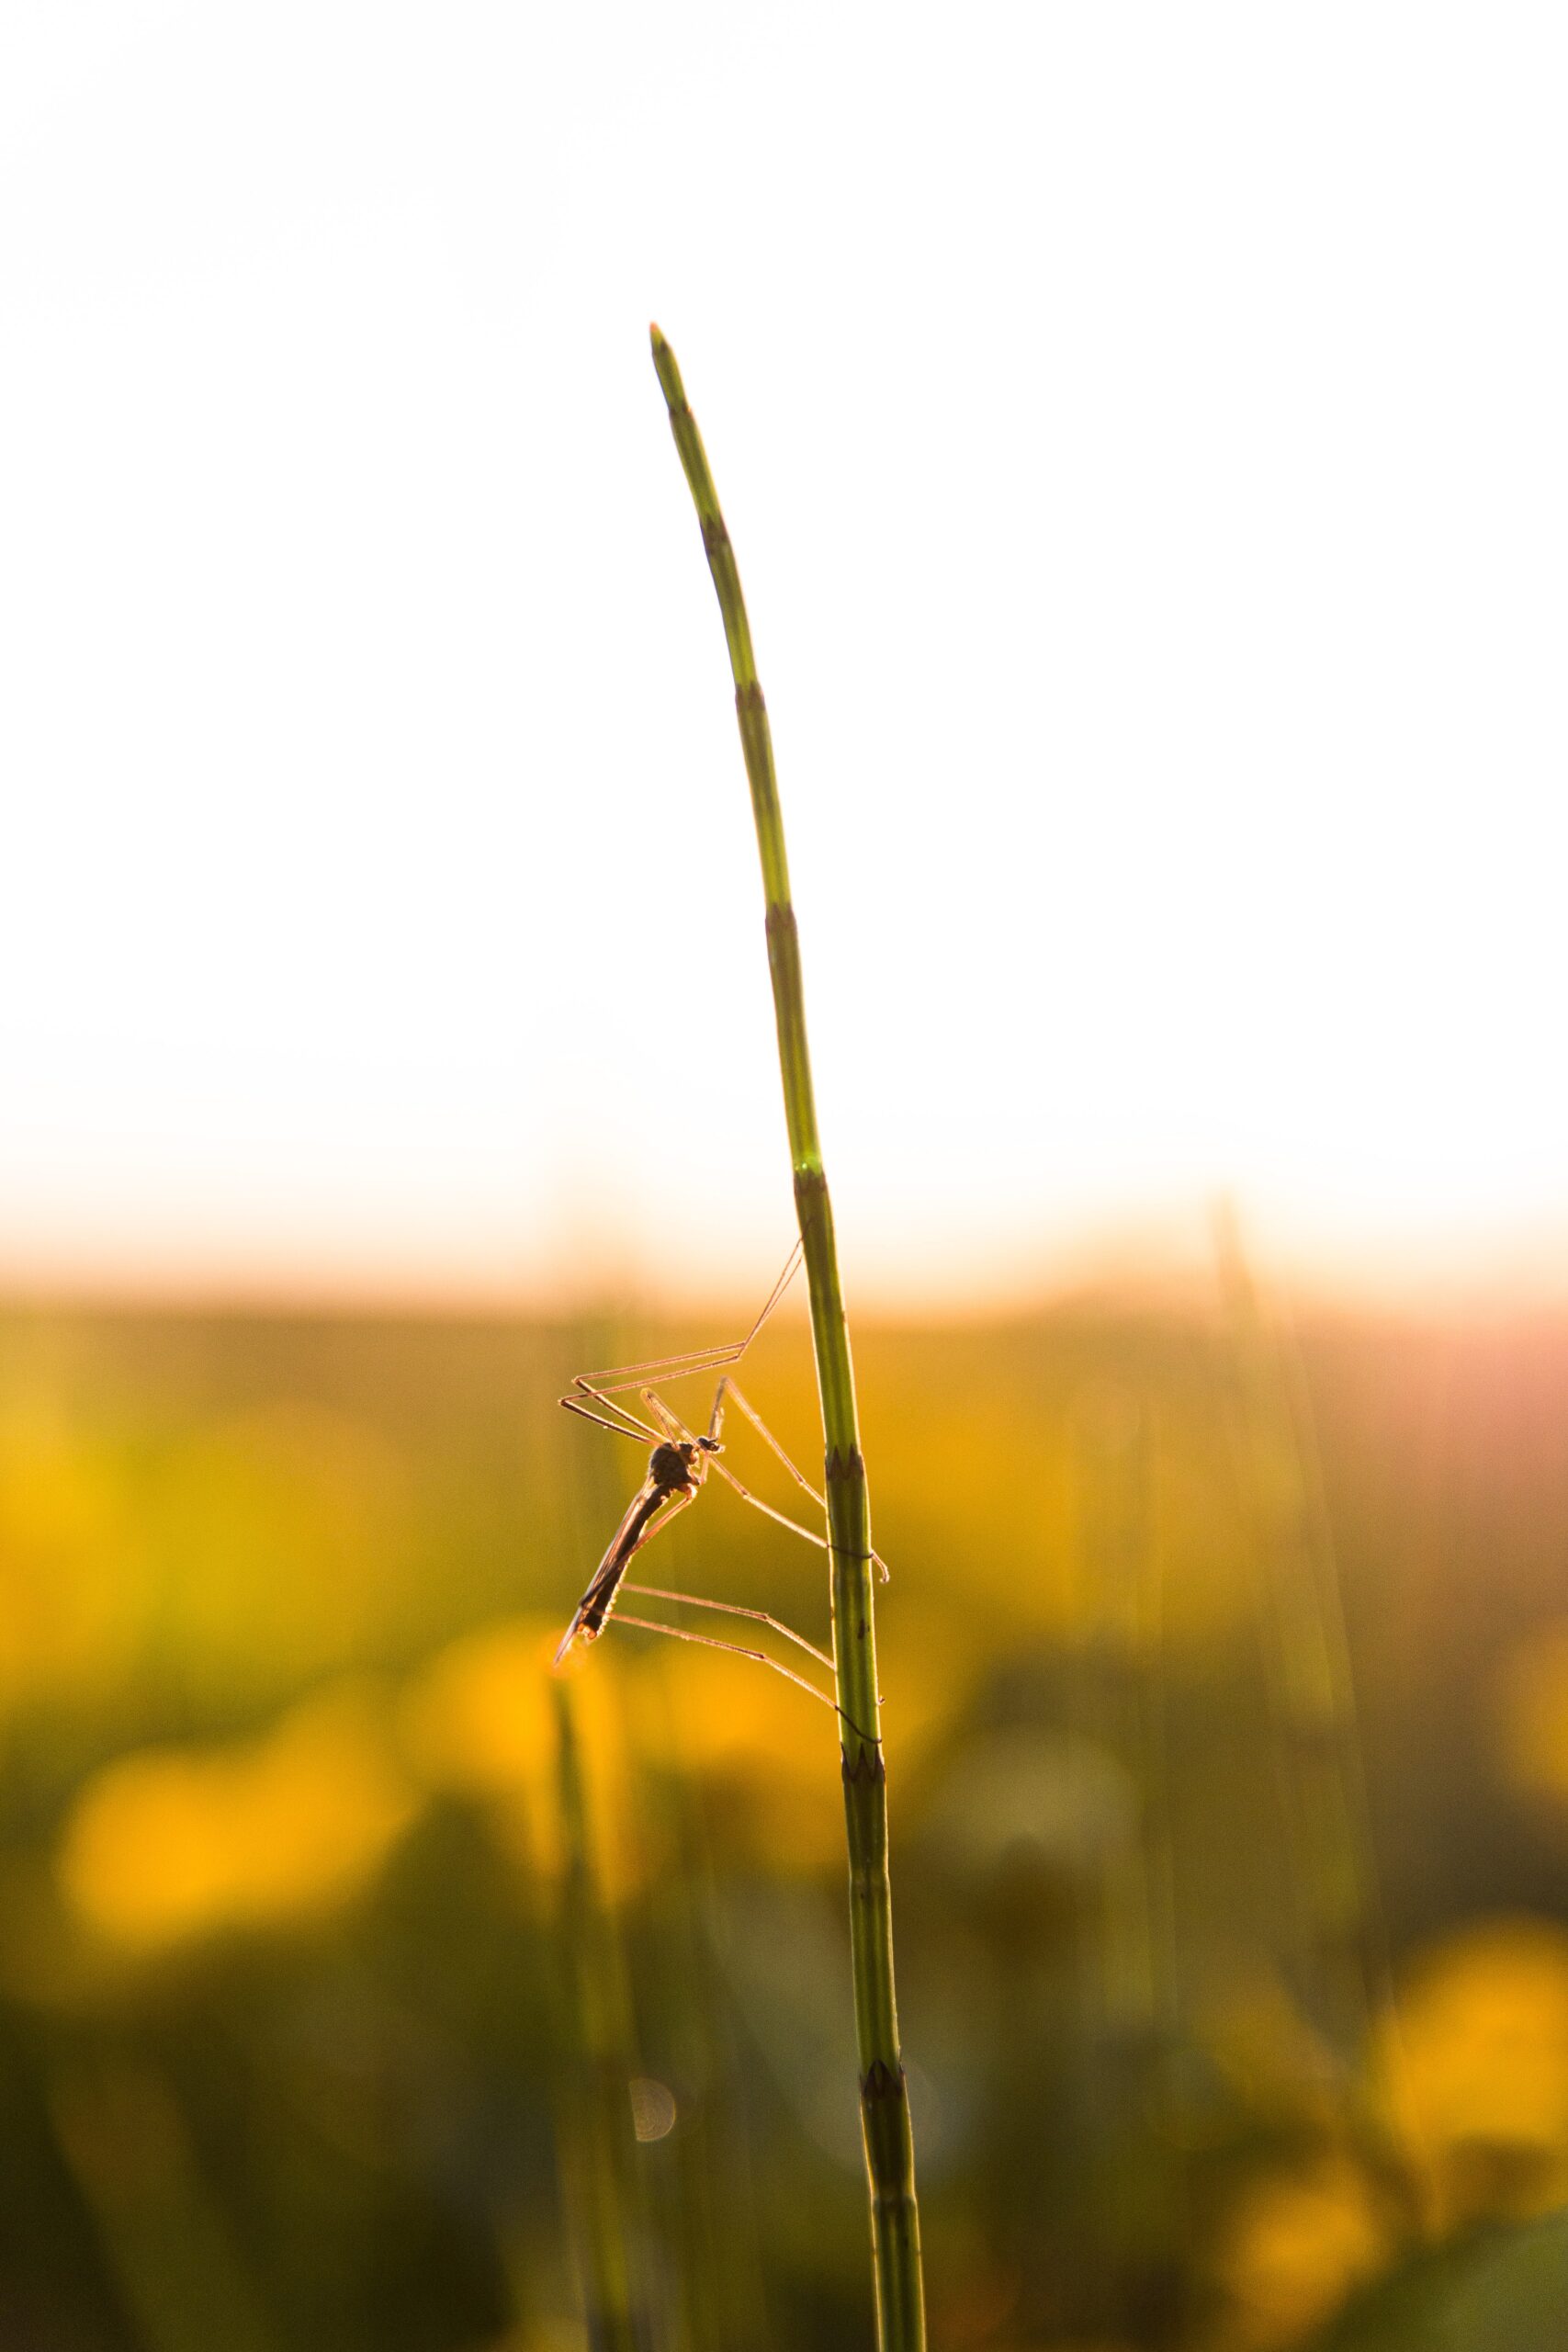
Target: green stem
[{"x": 885, "y": 2108}]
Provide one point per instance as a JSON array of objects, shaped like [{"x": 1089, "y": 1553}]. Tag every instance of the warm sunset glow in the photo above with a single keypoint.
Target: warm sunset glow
[{"x": 1142, "y": 435}]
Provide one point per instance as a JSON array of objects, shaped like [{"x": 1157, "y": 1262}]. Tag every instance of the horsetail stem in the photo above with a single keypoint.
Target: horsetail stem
[{"x": 884, "y": 2109}]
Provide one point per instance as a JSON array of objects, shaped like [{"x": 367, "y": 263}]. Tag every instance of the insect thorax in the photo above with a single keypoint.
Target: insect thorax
[{"x": 670, "y": 1466}]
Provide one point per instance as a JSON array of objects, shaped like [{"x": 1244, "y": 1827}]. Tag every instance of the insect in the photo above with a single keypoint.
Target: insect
[{"x": 678, "y": 1468}]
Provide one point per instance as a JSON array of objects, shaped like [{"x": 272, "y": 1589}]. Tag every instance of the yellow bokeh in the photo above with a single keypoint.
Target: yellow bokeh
[
  {"x": 279, "y": 1534},
  {"x": 1271, "y": 2052},
  {"x": 1533, "y": 1692},
  {"x": 176, "y": 1842},
  {"x": 483, "y": 1721},
  {"x": 1296, "y": 2243},
  {"x": 477, "y": 1720},
  {"x": 71, "y": 1563},
  {"x": 1476, "y": 2069},
  {"x": 768, "y": 1755},
  {"x": 259, "y": 1546}
]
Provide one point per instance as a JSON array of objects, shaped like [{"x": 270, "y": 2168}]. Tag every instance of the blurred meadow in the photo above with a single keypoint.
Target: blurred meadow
[
  {"x": 1142, "y": 429},
  {"x": 365, "y": 1984}
]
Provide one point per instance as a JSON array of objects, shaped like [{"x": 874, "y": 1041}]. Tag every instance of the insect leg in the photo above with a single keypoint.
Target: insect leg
[
  {"x": 759, "y": 1658},
  {"x": 672, "y": 1427},
  {"x": 765, "y": 1433},
  {"x": 733, "y": 1608},
  {"x": 632, "y": 1375},
  {"x": 757, "y": 1504},
  {"x": 627, "y": 1427}
]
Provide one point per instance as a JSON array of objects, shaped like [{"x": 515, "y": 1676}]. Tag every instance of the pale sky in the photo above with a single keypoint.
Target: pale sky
[{"x": 1144, "y": 435}]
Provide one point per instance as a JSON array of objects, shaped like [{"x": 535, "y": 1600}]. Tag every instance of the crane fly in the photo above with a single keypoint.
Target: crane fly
[{"x": 678, "y": 1468}]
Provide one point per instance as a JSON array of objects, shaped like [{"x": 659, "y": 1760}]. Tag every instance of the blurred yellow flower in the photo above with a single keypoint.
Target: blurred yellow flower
[
  {"x": 477, "y": 1719},
  {"x": 176, "y": 1842},
  {"x": 1276, "y": 2060},
  {"x": 1296, "y": 2246},
  {"x": 1476, "y": 2066},
  {"x": 769, "y": 1756},
  {"x": 481, "y": 1720}
]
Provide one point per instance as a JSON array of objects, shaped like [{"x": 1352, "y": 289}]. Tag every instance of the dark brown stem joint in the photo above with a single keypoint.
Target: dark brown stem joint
[
  {"x": 881, "y": 2082},
  {"x": 868, "y": 1771}
]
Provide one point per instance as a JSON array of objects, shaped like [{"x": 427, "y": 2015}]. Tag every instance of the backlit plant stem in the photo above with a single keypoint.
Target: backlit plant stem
[{"x": 884, "y": 2110}]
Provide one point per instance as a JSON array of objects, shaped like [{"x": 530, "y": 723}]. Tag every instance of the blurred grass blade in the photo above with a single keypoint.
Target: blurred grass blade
[
  {"x": 1332, "y": 1870},
  {"x": 599, "y": 2179},
  {"x": 885, "y": 2108},
  {"x": 166, "y": 2240},
  {"x": 709, "y": 2216}
]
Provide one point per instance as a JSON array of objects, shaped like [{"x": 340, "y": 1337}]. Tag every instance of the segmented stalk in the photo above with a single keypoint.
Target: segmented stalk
[{"x": 884, "y": 2110}]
